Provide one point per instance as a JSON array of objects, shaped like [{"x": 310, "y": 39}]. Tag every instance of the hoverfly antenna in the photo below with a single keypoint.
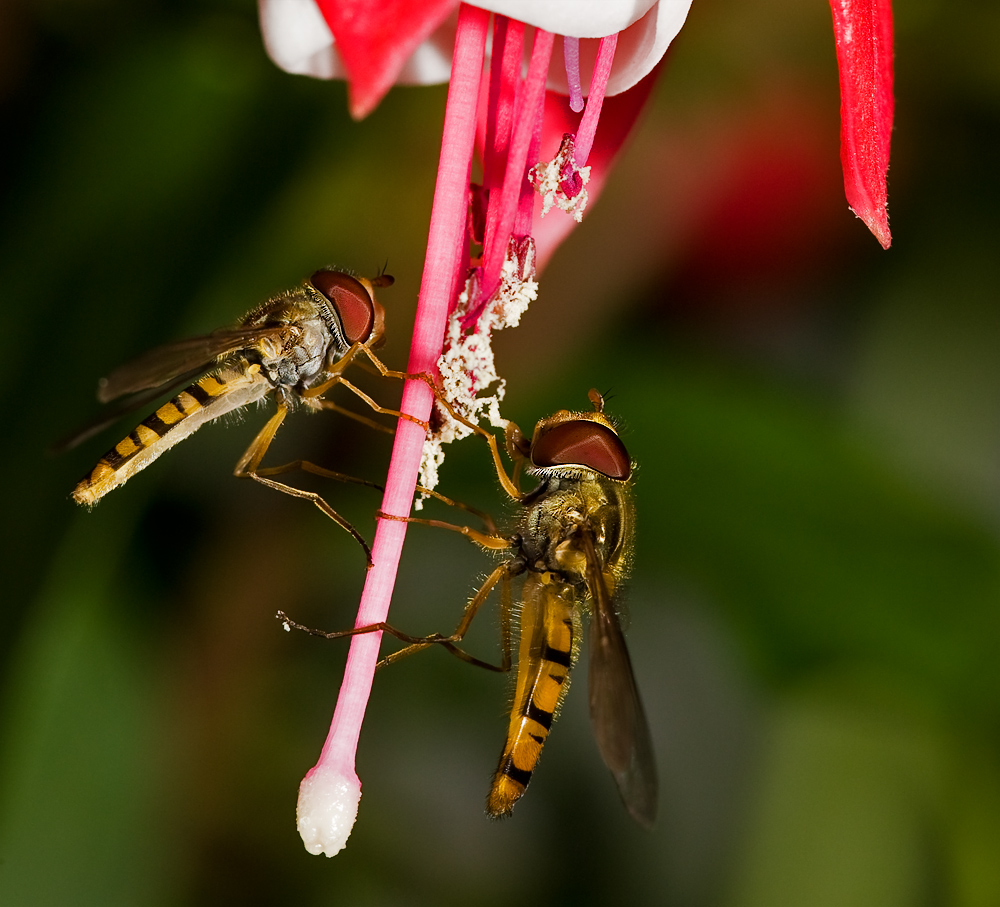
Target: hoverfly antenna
[
  {"x": 597, "y": 399},
  {"x": 382, "y": 279}
]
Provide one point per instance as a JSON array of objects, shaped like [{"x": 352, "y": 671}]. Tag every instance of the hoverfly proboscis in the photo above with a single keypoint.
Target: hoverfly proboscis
[
  {"x": 295, "y": 345},
  {"x": 572, "y": 548}
]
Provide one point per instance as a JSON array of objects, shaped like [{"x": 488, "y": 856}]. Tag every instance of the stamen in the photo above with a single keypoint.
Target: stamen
[
  {"x": 505, "y": 73},
  {"x": 598, "y": 85},
  {"x": 562, "y": 181},
  {"x": 478, "y": 202},
  {"x": 527, "y": 98},
  {"x": 513, "y": 87},
  {"x": 571, "y": 57},
  {"x": 526, "y": 202}
]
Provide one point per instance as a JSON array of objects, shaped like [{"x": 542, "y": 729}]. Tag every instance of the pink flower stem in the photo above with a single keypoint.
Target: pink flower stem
[
  {"x": 443, "y": 271},
  {"x": 571, "y": 57},
  {"x": 528, "y": 99},
  {"x": 595, "y": 99}
]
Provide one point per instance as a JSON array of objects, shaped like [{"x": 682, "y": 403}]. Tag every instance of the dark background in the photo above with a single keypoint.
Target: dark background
[{"x": 815, "y": 605}]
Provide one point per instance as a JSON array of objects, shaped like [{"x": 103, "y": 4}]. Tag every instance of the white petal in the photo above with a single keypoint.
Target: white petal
[
  {"x": 576, "y": 18},
  {"x": 640, "y": 47},
  {"x": 299, "y": 41}
]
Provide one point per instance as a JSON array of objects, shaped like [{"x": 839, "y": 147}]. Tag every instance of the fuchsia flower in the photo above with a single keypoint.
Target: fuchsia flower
[{"x": 486, "y": 244}]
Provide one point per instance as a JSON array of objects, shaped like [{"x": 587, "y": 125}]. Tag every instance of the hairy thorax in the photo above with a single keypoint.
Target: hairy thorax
[
  {"x": 302, "y": 355},
  {"x": 562, "y": 512}
]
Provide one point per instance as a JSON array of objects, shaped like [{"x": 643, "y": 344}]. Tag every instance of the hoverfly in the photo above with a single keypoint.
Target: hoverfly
[
  {"x": 572, "y": 547},
  {"x": 295, "y": 345}
]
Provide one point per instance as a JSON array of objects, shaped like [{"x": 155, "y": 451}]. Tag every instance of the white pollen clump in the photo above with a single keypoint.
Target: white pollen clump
[
  {"x": 327, "y": 808},
  {"x": 469, "y": 379},
  {"x": 561, "y": 183}
]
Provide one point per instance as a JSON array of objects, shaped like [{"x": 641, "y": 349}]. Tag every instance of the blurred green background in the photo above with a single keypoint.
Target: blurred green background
[{"x": 815, "y": 608}]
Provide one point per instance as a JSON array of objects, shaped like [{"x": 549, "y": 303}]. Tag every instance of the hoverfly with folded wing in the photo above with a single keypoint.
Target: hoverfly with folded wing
[
  {"x": 572, "y": 548},
  {"x": 295, "y": 346}
]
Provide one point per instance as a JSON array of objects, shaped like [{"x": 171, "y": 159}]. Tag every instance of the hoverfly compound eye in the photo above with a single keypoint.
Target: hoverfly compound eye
[
  {"x": 350, "y": 301},
  {"x": 582, "y": 442}
]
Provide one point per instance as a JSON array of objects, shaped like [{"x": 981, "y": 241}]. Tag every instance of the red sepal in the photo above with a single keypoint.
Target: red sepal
[
  {"x": 375, "y": 39},
  {"x": 863, "y": 32}
]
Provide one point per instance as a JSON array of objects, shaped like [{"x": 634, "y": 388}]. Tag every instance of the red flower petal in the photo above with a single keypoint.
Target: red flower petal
[
  {"x": 863, "y": 32},
  {"x": 375, "y": 40}
]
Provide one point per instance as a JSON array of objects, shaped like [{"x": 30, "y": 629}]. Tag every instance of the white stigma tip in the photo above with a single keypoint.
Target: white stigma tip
[{"x": 328, "y": 806}]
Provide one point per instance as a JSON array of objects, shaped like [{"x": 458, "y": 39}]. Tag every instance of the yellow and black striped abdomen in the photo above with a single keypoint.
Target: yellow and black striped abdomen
[
  {"x": 208, "y": 398},
  {"x": 547, "y": 650}
]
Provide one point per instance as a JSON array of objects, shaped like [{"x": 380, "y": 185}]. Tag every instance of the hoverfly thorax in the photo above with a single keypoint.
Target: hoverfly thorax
[
  {"x": 584, "y": 471},
  {"x": 320, "y": 322},
  {"x": 294, "y": 356}
]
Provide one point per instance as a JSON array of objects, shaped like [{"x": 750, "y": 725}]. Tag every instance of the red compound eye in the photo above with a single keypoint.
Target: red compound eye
[
  {"x": 350, "y": 301},
  {"x": 582, "y": 442}
]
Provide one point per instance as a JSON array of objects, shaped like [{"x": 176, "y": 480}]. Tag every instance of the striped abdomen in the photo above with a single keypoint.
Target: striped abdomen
[
  {"x": 208, "y": 398},
  {"x": 549, "y": 644}
]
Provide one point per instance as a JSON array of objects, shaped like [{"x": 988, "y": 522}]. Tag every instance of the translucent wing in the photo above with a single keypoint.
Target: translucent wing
[
  {"x": 112, "y": 414},
  {"x": 160, "y": 371},
  {"x": 164, "y": 364},
  {"x": 616, "y": 711}
]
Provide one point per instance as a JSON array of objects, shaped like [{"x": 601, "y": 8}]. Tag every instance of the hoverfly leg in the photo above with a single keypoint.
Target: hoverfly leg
[
  {"x": 509, "y": 485},
  {"x": 417, "y": 643},
  {"x": 428, "y": 379},
  {"x": 387, "y": 372},
  {"x": 393, "y": 657},
  {"x": 491, "y": 527},
  {"x": 489, "y": 541},
  {"x": 307, "y": 466},
  {"x": 337, "y": 378},
  {"x": 506, "y": 610},
  {"x": 247, "y": 468},
  {"x": 361, "y": 395},
  {"x": 248, "y": 463},
  {"x": 500, "y": 574},
  {"x": 364, "y": 420},
  {"x": 370, "y": 369}
]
